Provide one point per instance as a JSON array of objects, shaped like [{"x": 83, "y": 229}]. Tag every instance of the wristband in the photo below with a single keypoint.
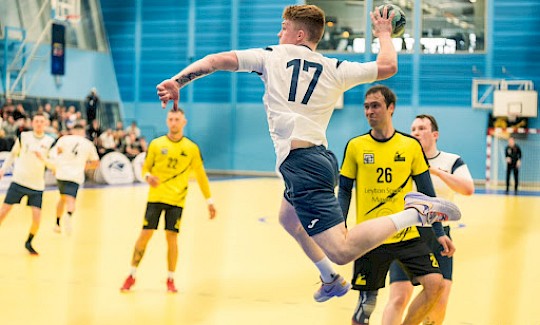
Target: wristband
[
  {"x": 438, "y": 229},
  {"x": 210, "y": 201}
]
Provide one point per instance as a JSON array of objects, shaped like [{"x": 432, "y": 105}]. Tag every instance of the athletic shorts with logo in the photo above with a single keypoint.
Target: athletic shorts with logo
[
  {"x": 311, "y": 176},
  {"x": 445, "y": 263},
  {"x": 173, "y": 215},
  {"x": 370, "y": 270}
]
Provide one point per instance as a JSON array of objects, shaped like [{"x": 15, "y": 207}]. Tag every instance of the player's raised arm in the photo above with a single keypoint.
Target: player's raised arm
[
  {"x": 387, "y": 57},
  {"x": 461, "y": 183},
  {"x": 169, "y": 89}
]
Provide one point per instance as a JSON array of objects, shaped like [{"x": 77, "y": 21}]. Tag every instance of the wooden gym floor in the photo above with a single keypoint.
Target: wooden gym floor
[{"x": 241, "y": 268}]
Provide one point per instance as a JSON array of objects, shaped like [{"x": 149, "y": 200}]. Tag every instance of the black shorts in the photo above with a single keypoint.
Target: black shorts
[
  {"x": 67, "y": 187},
  {"x": 311, "y": 176},
  {"x": 445, "y": 263},
  {"x": 16, "y": 192},
  {"x": 173, "y": 214},
  {"x": 370, "y": 270}
]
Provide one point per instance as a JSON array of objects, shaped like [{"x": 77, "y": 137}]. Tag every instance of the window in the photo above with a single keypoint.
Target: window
[
  {"x": 448, "y": 26},
  {"x": 453, "y": 26},
  {"x": 345, "y": 25}
]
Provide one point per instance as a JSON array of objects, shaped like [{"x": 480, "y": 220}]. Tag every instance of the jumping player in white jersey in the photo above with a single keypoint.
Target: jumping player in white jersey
[
  {"x": 31, "y": 148},
  {"x": 74, "y": 154},
  {"x": 450, "y": 175},
  {"x": 301, "y": 89}
]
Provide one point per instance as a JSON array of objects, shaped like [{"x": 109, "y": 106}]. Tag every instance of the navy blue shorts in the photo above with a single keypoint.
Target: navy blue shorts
[
  {"x": 445, "y": 263},
  {"x": 311, "y": 176},
  {"x": 16, "y": 192},
  {"x": 67, "y": 187},
  {"x": 173, "y": 214}
]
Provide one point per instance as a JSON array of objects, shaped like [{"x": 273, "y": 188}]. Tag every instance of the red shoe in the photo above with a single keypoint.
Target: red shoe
[
  {"x": 170, "y": 286},
  {"x": 130, "y": 281}
]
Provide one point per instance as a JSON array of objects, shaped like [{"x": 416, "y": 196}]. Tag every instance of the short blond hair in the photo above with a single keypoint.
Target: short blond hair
[
  {"x": 172, "y": 110},
  {"x": 307, "y": 17}
]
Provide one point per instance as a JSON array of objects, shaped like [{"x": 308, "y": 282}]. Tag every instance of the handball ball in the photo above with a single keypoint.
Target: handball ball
[{"x": 398, "y": 23}]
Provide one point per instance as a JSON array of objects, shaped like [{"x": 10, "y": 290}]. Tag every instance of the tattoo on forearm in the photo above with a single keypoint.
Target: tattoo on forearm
[
  {"x": 137, "y": 256},
  {"x": 182, "y": 80}
]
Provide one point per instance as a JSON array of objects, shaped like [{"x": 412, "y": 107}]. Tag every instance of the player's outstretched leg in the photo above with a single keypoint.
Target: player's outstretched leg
[{"x": 432, "y": 209}]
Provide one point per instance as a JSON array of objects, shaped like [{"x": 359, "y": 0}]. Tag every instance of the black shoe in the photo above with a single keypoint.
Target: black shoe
[{"x": 31, "y": 249}]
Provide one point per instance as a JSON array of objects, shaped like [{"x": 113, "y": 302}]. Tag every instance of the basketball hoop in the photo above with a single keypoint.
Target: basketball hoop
[{"x": 66, "y": 11}]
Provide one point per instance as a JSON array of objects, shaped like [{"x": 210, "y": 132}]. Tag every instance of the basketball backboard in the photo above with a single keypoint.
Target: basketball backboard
[
  {"x": 66, "y": 10},
  {"x": 519, "y": 103}
]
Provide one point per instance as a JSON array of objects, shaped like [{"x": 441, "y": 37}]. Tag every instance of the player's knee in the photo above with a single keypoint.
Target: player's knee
[
  {"x": 442, "y": 302},
  {"x": 399, "y": 300},
  {"x": 144, "y": 237},
  {"x": 340, "y": 256},
  {"x": 172, "y": 236},
  {"x": 365, "y": 307},
  {"x": 433, "y": 285}
]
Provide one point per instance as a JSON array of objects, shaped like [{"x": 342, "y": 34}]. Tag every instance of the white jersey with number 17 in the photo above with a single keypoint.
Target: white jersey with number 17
[{"x": 301, "y": 90}]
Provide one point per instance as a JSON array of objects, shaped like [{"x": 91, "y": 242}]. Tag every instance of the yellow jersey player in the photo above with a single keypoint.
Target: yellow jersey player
[
  {"x": 384, "y": 163},
  {"x": 168, "y": 164}
]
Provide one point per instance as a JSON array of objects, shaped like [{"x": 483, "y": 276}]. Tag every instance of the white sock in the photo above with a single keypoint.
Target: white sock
[
  {"x": 133, "y": 271},
  {"x": 326, "y": 270},
  {"x": 171, "y": 275},
  {"x": 405, "y": 218}
]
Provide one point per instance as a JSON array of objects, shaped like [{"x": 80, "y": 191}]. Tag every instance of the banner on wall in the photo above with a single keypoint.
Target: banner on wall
[
  {"x": 114, "y": 168},
  {"x": 137, "y": 163},
  {"x": 58, "y": 46}
]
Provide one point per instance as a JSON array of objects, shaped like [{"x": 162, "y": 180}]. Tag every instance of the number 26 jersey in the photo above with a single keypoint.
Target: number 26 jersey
[{"x": 383, "y": 172}]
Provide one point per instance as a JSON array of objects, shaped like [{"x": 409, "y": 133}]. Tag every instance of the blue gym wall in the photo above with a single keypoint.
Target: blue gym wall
[{"x": 153, "y": 40}]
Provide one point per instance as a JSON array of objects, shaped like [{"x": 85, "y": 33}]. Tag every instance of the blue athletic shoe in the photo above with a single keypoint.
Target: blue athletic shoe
[
  {"x": 432, "y": 209},
  {"x": 336, "y": 288}
]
